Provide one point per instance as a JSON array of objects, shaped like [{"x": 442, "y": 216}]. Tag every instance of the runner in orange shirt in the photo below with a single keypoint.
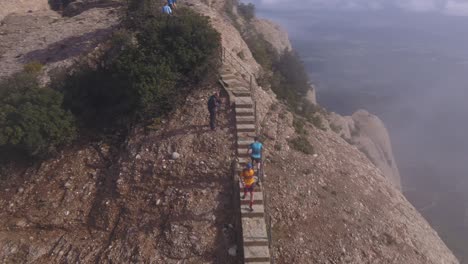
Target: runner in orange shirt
[{"x": 248, "y": 181}]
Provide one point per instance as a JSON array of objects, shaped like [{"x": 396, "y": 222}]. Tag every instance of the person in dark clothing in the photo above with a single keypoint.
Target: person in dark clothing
[{"x": 213, "y": 104}]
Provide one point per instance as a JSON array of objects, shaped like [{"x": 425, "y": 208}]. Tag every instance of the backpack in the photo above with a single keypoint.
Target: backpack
[{"x": 212, "y": 102}]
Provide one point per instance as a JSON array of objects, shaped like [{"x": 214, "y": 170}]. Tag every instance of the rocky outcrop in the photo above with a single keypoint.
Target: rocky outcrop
[
  {"x": 54, "y": 41},
  {"x": 273, "y": 33},
  {"x": 369, "y": 134},
  {"x": 21, "y": 7}
]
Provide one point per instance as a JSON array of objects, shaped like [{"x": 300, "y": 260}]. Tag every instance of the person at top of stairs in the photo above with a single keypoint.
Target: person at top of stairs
[{"x": 172, "y": 3}]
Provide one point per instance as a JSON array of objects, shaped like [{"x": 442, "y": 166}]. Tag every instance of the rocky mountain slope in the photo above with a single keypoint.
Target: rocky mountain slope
[
  {"x": 162, "y": 196},
  {"x": 163, "y": 193}
]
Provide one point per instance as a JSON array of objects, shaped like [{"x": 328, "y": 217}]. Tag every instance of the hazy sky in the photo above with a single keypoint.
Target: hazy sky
[
  {"x": 406, "y": 61},
  {"x": 449, "y": 7}
]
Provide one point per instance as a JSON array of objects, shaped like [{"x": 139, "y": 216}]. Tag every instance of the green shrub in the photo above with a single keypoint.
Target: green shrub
[
  {"x": 302, "y": 144},
  {"x": 148, "y": 77},
  {"x": 33, "y": 67},
  {"x": 247, "y": 11},
  {"x": 262, "y": 51},
  {"x": 317, "y": 121},
  {"x": 299, "y": 126},
  {"x": 31, "y": 118},
  {"x": 290, "y": 80}
]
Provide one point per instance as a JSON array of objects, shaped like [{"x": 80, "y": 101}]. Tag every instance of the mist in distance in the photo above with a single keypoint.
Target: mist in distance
[{"x": 407, "y": 62}]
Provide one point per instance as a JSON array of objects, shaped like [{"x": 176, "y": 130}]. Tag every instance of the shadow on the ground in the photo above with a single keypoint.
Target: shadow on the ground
[{"x": 69, "y": 47}]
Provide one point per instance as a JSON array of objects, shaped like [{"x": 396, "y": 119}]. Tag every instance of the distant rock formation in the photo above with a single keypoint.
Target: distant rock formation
[
  {"x": 369, "y": 134},
  {"x": 273, "y": 33}
]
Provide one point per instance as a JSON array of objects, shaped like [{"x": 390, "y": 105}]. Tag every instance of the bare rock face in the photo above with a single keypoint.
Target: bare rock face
[
  {"x": 273, "y": 33},
  {"x": 50, "y": 39},
  {"x": 369, "y": 134},
  {"x": 311, "y": 95},
  {"x": 21, "y": 6}
]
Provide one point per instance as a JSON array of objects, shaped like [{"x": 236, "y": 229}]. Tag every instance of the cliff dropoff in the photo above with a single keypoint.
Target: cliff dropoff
[
  {"x": 369, "y": 134},
  {"x": 163, "y": 193}
]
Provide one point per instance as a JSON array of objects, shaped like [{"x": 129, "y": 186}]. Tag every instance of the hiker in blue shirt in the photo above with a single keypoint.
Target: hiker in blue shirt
[
  {"x": 167, "y": 10},
  {"x": 172, "y": 3},
  {"x": 255, "y": 149}
]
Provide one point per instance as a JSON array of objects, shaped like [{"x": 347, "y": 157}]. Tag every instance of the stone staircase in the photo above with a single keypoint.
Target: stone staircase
[{"x": 254, "y": 230}]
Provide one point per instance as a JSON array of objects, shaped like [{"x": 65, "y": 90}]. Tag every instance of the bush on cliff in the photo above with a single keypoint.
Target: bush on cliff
[
  {"x": 246, "y": 10},
  {"x": 151, "y": 75},
  {"x": 290, "y": 80},
  {"x": 32, "y": 119}
]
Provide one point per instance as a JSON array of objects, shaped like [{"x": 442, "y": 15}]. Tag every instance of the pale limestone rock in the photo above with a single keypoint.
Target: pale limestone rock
[{"x": 21, "y": 6}]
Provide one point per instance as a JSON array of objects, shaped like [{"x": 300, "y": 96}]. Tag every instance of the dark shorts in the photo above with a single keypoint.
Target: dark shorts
[
  {"x": 256, "y": 160},
  {"x": 250, "y": 188},
  {"x": 171, "y": 6}
]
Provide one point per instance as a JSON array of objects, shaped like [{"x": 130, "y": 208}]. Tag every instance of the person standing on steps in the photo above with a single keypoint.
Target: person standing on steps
[
  {"x": 248, "y": 182},
  {"x": 167, "y": 9},
  {"x": 213, "y": 104},
  {"x": 255, "y": 150}
]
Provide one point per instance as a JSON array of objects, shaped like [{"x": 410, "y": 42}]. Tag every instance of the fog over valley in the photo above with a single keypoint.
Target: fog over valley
[{"x": 407, "y": 62}]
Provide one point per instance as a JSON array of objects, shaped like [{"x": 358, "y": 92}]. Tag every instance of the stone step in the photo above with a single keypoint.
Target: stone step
[
  {"x": 242, "y": 152},
  {"x": 244, "y": 112},
  {"x": 244, "y": 143},
  {"x": 254, "y": 232},
  {"x": 258, "y": 197},
  {"x": 241, "y": 93},
  {"x": 258, "y": 210},
  {"x": 245, "y": 135},
  {"x": 255, "y": 254},
  {"x": 243, "y": 102},
  {"x": 243, "y": 161},
  {"x": 228, "y": 76},
  {"x": 245, "y": 128},
  {"x": 245, "y": 119},
  {"x": 231, "y": 83}
]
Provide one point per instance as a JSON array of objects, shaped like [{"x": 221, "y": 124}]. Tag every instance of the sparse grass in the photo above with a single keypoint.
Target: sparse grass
[
  {"x": 274, "y": 106},
  {"x": 317, "y": 121},
  {"x": 33, "y": 67},
  {"x": 302, "y": 144},
  {"x": 299, "y": 126},
  {"x": 155, "y": 124}
]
